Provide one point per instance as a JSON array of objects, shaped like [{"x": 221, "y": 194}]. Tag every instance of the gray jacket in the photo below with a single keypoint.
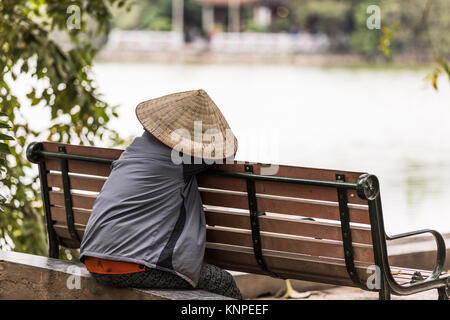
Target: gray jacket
[{"x": 149, "y": 212}]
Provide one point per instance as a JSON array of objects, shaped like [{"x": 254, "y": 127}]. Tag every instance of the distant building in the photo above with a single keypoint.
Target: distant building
[{"x": 227, "y": 12}]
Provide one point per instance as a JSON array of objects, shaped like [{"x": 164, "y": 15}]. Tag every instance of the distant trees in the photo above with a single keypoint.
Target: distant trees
[
  {"x": 408, "y": 26},
  {"x": 422, "y": 30},
  {"x": 332, "y": 17},
  {"x": 156, "y": 15},
  {"x": 362, "y": 39},
  {"x": 421, "y": 23}
]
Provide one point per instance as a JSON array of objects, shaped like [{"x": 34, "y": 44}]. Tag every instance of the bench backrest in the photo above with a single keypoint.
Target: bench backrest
[{"x": 282, "y": 241}]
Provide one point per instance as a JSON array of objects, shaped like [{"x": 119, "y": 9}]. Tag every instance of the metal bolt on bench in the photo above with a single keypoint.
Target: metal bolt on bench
[{"x": 303, "y": 223}]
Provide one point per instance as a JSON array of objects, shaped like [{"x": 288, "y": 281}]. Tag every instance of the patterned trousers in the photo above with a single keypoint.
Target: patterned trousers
[{"x": 212, "y": 279}]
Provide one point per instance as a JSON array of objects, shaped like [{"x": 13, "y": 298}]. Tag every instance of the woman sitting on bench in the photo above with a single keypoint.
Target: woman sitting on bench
[{"x": 147, "y": 228}]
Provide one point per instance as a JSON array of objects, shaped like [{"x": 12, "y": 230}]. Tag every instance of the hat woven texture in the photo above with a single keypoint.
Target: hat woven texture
[{"x": 189, "y": 122}]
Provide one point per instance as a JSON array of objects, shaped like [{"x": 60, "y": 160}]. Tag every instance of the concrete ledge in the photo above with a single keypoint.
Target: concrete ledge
[
  {"x": 256, "y": 285},
  {"x": 26, "y": 276}
]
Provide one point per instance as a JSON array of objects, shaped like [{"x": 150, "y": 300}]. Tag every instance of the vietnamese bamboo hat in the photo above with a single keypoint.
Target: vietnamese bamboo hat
[{"x": 189, "y": 122}]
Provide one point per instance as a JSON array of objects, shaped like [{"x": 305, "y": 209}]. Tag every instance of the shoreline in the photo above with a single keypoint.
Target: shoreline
[{"x": 325, "y": 61}]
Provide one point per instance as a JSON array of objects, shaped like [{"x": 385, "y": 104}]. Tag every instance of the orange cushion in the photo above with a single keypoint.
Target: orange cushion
[{"x": 104, "y": 266}]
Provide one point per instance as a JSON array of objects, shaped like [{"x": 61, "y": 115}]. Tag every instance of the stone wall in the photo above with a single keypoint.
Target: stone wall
[{"x": 26, "y": 276}]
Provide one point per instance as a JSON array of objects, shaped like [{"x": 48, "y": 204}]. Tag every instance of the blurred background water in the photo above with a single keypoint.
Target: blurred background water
[{"x": 386, "y": 122}]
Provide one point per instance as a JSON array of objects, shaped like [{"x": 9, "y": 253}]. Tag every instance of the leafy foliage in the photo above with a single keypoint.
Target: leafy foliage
[
  {"x": 327, "y": 16},
  {"x": 156, "y": 15},
  {"x": 421, "y": 29},
  {"x": 441, "y": 68},
  {"x": 363, "y": 40},
  {"x": 38, "y": 47},
  {"x": 4, "y": 150},
  {"x": 388, "y": 35}
]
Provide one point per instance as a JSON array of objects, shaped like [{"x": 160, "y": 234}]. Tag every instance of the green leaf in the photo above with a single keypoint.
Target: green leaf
[
  {"x": 4, "y": 148},
  {"x": 5, "y": 137},
  {"x": 444, "y": 65}
]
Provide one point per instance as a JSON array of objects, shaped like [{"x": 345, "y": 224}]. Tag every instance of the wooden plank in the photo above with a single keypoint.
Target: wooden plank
[
  {"x": 63, "y": 232},
  {"x": 211, "y": 257},
  {"x": 84, "y": 150},
  {"x": 78, "y": 200},
  {"x": 77, "y": 166},
  {"x": 284, "y": 225},
  {"x": 235, "y": 258},
  {"x": 77, "y": 182},
  {"x": 286, "y": 243},
  {"x": 291, "y": 171},
  {"x": 293, "y": 266},
  {"x": 81, "y": 217},
  {"x": 315, "y": 210},
  {"x": 304, "y": 191},
  {"x": 206, "y": 180},
  {"x": 69, "y": 243}
]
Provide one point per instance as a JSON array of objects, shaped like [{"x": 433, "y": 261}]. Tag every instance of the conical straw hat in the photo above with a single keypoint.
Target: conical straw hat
[{"x": 189, "y": 122}]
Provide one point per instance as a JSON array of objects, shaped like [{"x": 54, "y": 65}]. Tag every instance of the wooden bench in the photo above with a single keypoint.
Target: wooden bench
[{"x": 310, "y": 224}]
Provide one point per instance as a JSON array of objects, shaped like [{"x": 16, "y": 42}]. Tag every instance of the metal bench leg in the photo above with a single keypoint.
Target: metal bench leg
[
  {"x": 53, "y": 250},
  {"x": 443, "y": 293},
  {"x": 53, "y": 243},
  {"x": 385, "y": 291}
]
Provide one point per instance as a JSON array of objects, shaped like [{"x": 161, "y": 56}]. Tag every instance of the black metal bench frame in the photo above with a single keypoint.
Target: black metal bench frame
[{"x": 367, "y": 188}]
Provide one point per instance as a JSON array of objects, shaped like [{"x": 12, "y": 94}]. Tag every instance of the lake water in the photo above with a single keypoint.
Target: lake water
[{"x": 389, "y": 123}]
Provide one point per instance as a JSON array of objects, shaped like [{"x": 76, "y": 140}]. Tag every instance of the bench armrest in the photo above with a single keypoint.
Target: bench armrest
[{"x": 441, "y": 249}]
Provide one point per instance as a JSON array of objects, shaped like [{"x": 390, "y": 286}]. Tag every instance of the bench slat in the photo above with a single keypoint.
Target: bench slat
[
  {"x": 89, "y": 151},
  {"x": 81, "y": 217},
  {"x": 83, "y": 167},
  {"x": 294, "y": 172},
  {"x": 62, "y": 231},
  {"x": 276, "y": 188},
  {"x": 78, "y": 200},
  {"x": 211, "y": 257},
  {"x": 315, "y": 210},
  {"x": 286, "y": 226},
  {"x": 286, "y": 243},
  {"x": 289, "y": 265},
  {"x": 77, "y": 182}
]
